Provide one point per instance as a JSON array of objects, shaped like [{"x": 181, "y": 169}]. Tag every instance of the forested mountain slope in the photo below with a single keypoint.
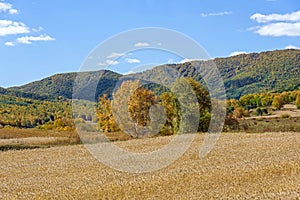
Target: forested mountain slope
[
  {"x": 62, "y": 84},
  {"x": 272, "y": 71}
]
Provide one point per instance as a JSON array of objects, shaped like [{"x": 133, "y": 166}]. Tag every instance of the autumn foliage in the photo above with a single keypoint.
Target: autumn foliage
[{"x": 138, "y": 111}]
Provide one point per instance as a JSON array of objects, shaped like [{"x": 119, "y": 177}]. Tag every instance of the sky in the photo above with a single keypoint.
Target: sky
[{"x": 39, "y": 38}]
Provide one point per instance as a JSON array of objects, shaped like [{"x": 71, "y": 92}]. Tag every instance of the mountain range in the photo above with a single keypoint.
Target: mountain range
[{"x": 271, "y": 71}]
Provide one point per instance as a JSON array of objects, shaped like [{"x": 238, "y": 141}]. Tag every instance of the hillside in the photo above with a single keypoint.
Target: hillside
[
  {"x": 2, "y": 90},
  {"x": 18, "y": 93},
  {"x": 272, "y": 71},
  {"x": 62, "y": 84}
]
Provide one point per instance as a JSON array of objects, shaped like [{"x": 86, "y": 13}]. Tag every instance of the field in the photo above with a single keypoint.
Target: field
[
  {"x": 241, "y": 166},
  {"x": 284, "y": 120},
  {"x": 262, "y": 125},
  {"x": 16, "y": 139}
]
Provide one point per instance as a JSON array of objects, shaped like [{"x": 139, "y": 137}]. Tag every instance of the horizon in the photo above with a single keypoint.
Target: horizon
[{"x": 35, "y": 46}]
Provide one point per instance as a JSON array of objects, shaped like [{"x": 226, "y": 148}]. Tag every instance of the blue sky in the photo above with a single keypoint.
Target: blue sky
[{"x": 39, "y": 38}]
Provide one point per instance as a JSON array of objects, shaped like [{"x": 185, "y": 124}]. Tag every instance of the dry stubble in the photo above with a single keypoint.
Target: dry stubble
[{"x": 241, "y": 166}]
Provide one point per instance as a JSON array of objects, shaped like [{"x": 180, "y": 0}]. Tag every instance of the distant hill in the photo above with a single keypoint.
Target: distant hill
[
  {"x": 16, "y": 93},
  {"x": 2, "y": 90},
  {"x": 62, "y": 84},
  {"x": 272, "y": 71}
]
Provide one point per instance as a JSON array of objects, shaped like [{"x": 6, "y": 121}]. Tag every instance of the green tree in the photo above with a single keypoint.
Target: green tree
[
  {"x": 194, "y": 102},
  {"x": 245, "y": 100},
  {"x": 204, "y": 122},
  {"x": 189, "y": 106},
  {"x": 172, "y": 110},
  {"x": 204, "y": 102},
  {"x": 266, "y": 100}
]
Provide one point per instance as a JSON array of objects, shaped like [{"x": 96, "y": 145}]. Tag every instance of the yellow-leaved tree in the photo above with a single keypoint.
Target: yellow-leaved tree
[
  {"x": 131, "y": 106},
  {"x": 105, "y": 115},
  {"x": 277, "y": 102}
]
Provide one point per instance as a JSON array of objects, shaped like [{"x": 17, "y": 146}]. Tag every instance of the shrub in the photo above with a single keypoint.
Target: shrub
[
  {"x": 258, "y": 112},
  {"x": 265, "y": 111},
  {"x": 204, "y": 122},
  {"x": 239, "y": 112},
  {"x": 231, "y": 123}
]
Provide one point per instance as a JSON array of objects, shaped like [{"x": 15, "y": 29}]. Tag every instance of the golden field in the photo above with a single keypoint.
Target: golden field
[{"x": 241, "y": 166}]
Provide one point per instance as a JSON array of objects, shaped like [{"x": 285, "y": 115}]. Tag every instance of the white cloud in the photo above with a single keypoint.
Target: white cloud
[
  {"x": 279, "y": 29},
  {"x": 8, "y": 27},
  {"x": 30, "y": 39},
  {"x": 216, "y": 14},
  {"x": 129, "y": 72},
  {"x": 39, "y": 29},
  {"x": 291, "y": 47},
  {"x": 9, "y": 44},
  {"x": 112, "y": 62},
  {"x": 141, "y": 44},
  {"x": 170, "y": 61},
  {"x": 115, "y": 55},
  {"x": 277, "y": 25},
  {"x": 13, "y": 11},
  {"x": 189, "y": 60},
  {"x": 102, "y": 64},
  {"x": 6, "y": 7},
  {"x": 237, "y": 53},
  {"x": 132, "y": 60},
  {"x": 109, "y": 62},
  {"x": 292, "y": 17}
]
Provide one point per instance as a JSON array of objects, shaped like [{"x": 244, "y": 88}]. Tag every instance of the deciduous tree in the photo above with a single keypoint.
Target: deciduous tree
[
  {"x": 105, "y": 115},
  {"x": 277, "y": 102}
]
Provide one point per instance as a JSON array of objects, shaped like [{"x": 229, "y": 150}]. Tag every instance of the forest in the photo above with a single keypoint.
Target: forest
[{"x": 58, "y": 114}]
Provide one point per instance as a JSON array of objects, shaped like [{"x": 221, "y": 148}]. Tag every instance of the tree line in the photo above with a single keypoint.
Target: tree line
[
  {"x": 147, "y": 109},
  {"x": 262, "y": 103}
]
